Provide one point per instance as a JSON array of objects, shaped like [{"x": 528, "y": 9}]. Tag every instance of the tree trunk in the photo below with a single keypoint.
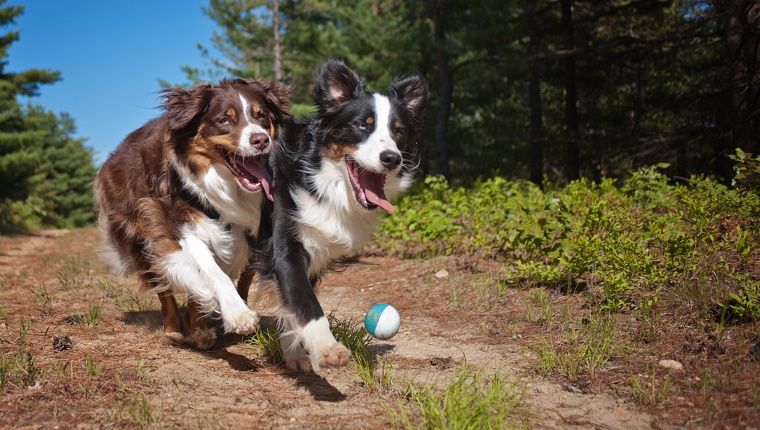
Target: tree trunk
[
  {"x": 743, "y": 43},
  {"x": 277, "y": 40},
  {"x": 444, "y": 90},
  {"x": 538, "y": 136},
  {"x": 536, "y": 129},
  {"x": 572, "y": 154}
]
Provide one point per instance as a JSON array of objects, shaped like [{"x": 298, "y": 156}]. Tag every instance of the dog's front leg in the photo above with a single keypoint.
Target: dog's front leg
[
  {"x": 194, "y": 270},
  {"x": 306, "y": 329}
]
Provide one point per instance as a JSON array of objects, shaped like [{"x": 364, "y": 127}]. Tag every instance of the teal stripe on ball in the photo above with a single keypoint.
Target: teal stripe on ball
[{"x": 373, "y": 315}]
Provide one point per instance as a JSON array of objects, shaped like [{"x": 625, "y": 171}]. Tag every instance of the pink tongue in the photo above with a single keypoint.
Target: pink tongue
[
  {"x": 256, "y": 168},
  {"x": 373, "y": 184}
]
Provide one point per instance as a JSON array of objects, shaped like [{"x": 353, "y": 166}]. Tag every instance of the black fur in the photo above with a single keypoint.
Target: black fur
[{"x": 343, "y": 102}]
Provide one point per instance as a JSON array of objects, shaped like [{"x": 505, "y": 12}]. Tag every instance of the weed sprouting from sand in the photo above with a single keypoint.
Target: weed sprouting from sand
[
  {"x": 267, "y": 342},
  {"x": 583, "y": 345},
  {"x": 374, "y": 372},
  {"x": 19, "y": 367},
  {"x": 93, "y": 317},
  {"x": 645, "y": 389},
  {"x": 472, "y": 399}
]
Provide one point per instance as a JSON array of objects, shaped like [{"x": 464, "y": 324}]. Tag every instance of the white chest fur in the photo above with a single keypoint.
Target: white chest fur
[
  {"x": 240, "y": 209},
  {"x": 332, "y": 224},
  {"x": 218, "y": 189}
]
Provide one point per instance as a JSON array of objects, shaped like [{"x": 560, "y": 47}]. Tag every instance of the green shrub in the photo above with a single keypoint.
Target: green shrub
[
  {"x": 744, "y": 305},
  {"x": 628, "y": 241},
  {"x": 17, "y": 216},
  {"x": 431, "y": 218},
  {"x": 747, "y": 170}
]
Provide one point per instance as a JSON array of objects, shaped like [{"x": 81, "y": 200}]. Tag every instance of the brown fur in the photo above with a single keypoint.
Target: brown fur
[
  {"x": 142, "y": 205},
  {"x": 335, "y": 151}
]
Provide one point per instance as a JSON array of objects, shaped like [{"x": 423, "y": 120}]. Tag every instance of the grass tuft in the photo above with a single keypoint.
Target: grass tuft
[
  {"x": 140, "y": 411},
  {"x": 92, "y": 318},
  {"x": 267, "y": 343},
  {"x": 19, "y": 367},
  {"x": 646, "y": 390},
  {"x": 375, "y": 373},
  {"x": 354, "y": 336},
  {"x": 471, "y": 400},
  {"x": 582, "y": 346},
  {"x": 539, "y": 308}
]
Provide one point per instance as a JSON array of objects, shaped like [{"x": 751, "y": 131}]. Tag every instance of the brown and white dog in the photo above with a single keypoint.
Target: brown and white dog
[{"x": 180, "y": 198}]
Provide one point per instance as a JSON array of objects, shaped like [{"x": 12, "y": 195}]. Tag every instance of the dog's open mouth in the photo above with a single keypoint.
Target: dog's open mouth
[
  {"x": 368, "y": 186},
  {"x": 251, "y": 172}
]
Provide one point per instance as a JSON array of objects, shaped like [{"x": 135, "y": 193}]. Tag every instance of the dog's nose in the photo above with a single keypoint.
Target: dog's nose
[
  {"x": 259, "y": 141},
  {"x": 390, "y": 159}
]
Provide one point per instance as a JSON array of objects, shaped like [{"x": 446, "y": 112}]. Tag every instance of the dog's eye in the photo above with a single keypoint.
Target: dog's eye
[
  {"x": 399, "y": 132},
  {"x": 262, "y": 115},
  {"x": 224, "y": 121},
  {"x": 363, "y": 127}
]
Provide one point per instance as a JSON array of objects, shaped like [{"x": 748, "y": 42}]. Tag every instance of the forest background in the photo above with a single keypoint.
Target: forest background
[{"x": 549, "y": 91}]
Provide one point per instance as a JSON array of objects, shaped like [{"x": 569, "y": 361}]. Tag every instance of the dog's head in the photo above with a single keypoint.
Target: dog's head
[
  {"x": 233, "y": 123},
  {"x": 373, "y": 134}
]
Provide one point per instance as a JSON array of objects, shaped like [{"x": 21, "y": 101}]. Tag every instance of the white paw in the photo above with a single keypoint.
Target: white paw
[
  {"x": 245, "y": 322},
  {"x": 297, "y": 359},
  {"x": 333, "y": 356},
  {"x": 324, "y": 351},
  {"x": 203, "y": 338}
]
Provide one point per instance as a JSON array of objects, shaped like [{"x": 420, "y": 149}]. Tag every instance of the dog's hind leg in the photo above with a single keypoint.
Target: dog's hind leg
[
  {"x": 292, "y": 352},
  {"x": 173, "y": 327},
  {"x": 244, "y": 283},
  {"x": 203, "y": 336}
]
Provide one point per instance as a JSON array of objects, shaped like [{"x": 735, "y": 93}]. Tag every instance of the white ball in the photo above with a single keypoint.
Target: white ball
[{"x": 382, "y": 321}]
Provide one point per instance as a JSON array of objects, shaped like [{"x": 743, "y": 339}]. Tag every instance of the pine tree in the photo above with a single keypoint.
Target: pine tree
[
  {"x": 655, "y": 80},
  {"x": 44, "y": 172},
  {"x": 63, "y": 177},
  {"x": 18, "y": 157},
  {"x": 247, "y": 41}
]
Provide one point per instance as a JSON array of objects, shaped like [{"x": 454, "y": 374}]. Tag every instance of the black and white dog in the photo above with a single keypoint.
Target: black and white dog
[{"x": 333, "y": 173}]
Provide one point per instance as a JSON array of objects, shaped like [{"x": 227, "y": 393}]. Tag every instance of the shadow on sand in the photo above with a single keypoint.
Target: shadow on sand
[{"x": 317, "y": 386}]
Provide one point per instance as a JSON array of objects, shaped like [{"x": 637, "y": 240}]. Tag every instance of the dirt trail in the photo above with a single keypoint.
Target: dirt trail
[{"x": 145, "y": 378}]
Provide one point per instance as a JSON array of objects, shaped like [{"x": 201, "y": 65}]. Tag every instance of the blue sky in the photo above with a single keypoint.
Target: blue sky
[{"x": 111, "y": 55}]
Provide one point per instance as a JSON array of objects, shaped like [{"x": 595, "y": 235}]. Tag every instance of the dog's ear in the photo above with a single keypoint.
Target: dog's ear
[
  {"x": 276, "y": 96},
  {"x": 411, "y": 91},
  {"x": 336, "y": 83},
  {"x": 184, "y": 105}
]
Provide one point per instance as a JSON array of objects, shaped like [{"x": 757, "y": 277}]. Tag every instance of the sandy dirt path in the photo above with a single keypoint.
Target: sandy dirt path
[{"x": 146, "y": 380}]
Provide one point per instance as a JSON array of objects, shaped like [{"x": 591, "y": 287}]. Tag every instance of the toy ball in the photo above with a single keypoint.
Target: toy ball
[{"x": 382, "y": 321}]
